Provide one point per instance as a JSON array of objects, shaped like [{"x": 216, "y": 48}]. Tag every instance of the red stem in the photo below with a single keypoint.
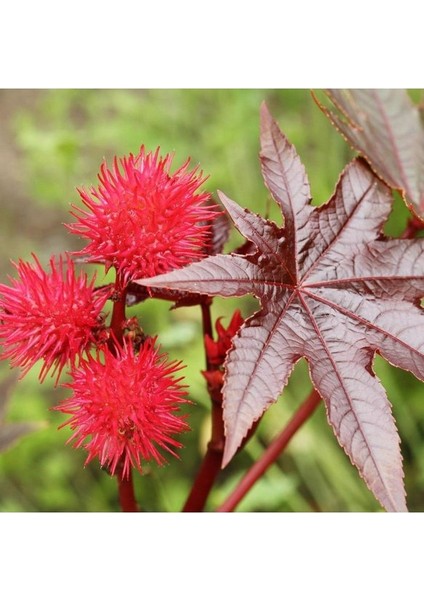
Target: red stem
[
  {"x": 125, "y": 486},
  {"x": 272, "y": 452},
  {"x": 126, "y": 492},
  {"x": 207, "y": 323},
  {"x": 211, "y": 464},
  {"x": 118, "y": 313},
  {"x": 210, "y": 467},
  {"x": 212, "y": 461}
]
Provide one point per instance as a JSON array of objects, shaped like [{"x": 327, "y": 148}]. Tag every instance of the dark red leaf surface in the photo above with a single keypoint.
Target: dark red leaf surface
[
  {"x": 387, "y": 129},
  {"x": 332, "y": 289},
  {"x": 219, "y": 232}
]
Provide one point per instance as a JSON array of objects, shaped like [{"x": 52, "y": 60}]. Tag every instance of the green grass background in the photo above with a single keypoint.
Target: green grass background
[{"x": 61, "y": 139}]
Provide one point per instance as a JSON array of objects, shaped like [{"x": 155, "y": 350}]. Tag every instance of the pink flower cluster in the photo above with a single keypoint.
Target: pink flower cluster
[
  {"x": 142, "y": 220},
  {"x": 50, "y": 316},
  {"x": 126, "y": 403}
]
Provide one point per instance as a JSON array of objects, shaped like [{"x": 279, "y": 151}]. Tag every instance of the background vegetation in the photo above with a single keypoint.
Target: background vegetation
[{"x": 53, "y": 141}]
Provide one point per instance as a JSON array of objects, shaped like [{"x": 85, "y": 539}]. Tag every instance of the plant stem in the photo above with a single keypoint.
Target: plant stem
[
  {"x": 118, "y": 313},
  {"x": 209, "y": 469},
  {"x": 126, "y": 492},
  {"x": 211, "y": 464},
  {"x": 125, "y": 486},
  {"x": 212, "y": 461},
  {"x": 207, "y": 324},
  {"x": 272, "y": 452}
]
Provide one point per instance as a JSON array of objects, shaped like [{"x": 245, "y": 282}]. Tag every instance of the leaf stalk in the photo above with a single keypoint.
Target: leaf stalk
[{"x": 272, "y": 452}]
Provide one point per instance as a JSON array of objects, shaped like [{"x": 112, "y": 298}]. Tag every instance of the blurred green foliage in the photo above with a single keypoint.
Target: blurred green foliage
[{"x": 62, "y": 141}]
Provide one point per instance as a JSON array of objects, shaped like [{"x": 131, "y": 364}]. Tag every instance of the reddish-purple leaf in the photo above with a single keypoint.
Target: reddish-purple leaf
[
  {"x": 387, "y": 129},
  {"x": 332, "y": 289},
  {"x": 219, "y": 233}
]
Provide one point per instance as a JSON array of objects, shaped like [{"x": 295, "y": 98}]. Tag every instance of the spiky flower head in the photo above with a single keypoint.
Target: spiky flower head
[
  {"x": 53, "y": 316},
  {"x": 125, "y": 403},
  {"x": 142, "y": 219}
]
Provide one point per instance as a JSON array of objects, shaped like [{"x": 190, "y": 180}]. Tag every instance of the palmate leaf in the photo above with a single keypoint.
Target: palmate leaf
[
  {"x": 387, "y": 129},
  {"x": 332, "y": 289}
]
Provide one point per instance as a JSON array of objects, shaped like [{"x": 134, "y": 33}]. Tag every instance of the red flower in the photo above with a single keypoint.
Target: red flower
[
  {"x": 217, "y": 350},
  {"x": 127, "y": 405},
  {"x": 50, "y": 316},
  {"x": 143, "y": 220}
]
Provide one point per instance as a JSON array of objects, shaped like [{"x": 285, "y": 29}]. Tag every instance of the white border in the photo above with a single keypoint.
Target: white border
[
  {"x": 224, "y": 43},
  {"x": 206, "y": 555}
]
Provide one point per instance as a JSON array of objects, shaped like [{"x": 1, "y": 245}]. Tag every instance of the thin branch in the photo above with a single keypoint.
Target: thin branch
[
  {"x": 272, "y": 452},
  {"x": 209, "y": 470},
  {"x": 207, "y": 322},
  {"x": 211, "y": 464},
  {"x": 118, "y": 313}
]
